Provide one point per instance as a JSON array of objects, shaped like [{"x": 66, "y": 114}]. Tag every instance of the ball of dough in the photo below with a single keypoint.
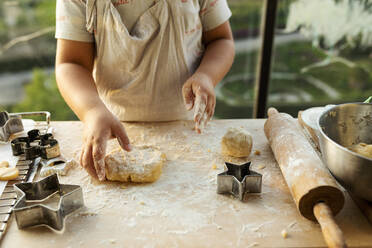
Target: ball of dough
[
  {"x": 142, "y": 165},
  {"x": 236, "y": 142}
]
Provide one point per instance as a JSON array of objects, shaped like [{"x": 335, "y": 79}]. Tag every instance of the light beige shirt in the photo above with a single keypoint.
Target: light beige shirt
[
  {"x": 145, "y": 49},
  {"x": 70, "y": 15}
]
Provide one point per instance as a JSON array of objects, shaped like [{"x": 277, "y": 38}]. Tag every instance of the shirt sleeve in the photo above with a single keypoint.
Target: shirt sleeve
[
  {"x": 70, "y": 21},
  {"x": 213, "y": 13}
]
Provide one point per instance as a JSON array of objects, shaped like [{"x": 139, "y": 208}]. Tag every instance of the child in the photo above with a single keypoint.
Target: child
[{"x": 139, "y": 60}]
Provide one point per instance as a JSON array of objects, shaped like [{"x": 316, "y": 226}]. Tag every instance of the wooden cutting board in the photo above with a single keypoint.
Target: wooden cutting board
[{"x": 182, "y": 209}]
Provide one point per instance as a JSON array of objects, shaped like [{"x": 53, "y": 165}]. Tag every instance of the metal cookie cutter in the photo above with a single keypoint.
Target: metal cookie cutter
[
  {"x": 36, "y": 145},
  {"x": 9, "y": 124},
  {"x": 238, "y": 180},
  {"x": 58, "y": 165},
  {"x": 46, "y": 202},
  {"x": 12, "y": 123}
]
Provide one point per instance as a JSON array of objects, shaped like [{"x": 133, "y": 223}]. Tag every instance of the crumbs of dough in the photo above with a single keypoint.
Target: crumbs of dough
[{"x": 284, "y": 234}]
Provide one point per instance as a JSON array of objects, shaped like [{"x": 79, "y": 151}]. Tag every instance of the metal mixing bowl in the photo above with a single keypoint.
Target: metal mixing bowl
[{"x": 340, "y": 127}]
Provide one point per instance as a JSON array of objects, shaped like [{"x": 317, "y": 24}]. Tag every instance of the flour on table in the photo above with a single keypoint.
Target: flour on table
[{"x": 142, "y": 165}]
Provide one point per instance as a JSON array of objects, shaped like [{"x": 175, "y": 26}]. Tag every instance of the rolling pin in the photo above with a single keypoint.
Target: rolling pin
[
  {"x": 315, "y": 192},
  {"x": 307, "y": 120}
]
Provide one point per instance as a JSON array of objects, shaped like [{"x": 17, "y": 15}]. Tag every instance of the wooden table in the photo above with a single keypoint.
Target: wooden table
[{"x": 182, "y": 209}]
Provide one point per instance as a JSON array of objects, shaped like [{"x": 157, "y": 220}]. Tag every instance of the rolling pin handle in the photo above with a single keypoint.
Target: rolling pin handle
[{"x": 331, "y": 231}]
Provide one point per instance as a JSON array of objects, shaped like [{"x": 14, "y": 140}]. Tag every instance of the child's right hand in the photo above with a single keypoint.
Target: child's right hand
[
  {"x": 198, "y": 93},
  {"x": 100, "y": 125}
]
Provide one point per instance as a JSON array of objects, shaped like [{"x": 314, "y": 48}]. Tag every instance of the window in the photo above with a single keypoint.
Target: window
[
  {"x": 27, "y": 55},
  {"x": 322, "y": 55}
]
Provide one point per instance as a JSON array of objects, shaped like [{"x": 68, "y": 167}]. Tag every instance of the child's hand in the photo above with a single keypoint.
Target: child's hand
[
  {"x": 99, "y": 126},
  {"x": 198, "y": 91}
]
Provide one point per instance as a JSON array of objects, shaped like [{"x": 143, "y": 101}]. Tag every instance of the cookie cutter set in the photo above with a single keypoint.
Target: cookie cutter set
[
  {"x": 34, "y": 199},
  {"x": 238, "y": 180}
]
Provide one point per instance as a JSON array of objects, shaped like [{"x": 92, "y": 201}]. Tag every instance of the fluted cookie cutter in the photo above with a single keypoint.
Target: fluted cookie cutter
[
  {"x": 238, "y": 180},
  {"x": 46, "y": 202}
]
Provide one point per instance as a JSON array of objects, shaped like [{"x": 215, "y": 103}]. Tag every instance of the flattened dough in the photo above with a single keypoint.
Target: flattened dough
[
  {"x": 142, "y": 165},
  {"x": 236, "y": 142},
  {"x": 363, "y": 149}
]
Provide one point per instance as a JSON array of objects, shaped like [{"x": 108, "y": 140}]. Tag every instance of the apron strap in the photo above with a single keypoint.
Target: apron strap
[{"x": 91, "y": 16}]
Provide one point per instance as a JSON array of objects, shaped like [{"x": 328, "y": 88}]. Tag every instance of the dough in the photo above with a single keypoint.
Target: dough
[
  {"x": 236, "y": 142},
  {"x": 7, "y": 173},
  {"x": 142, "y": 165},
  {"x": 4, "y": 164},
  {"x": 363, "y": 149}
]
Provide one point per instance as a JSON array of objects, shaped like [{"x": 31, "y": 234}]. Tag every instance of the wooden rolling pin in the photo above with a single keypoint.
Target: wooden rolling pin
[{"x": 316, "y": 194}]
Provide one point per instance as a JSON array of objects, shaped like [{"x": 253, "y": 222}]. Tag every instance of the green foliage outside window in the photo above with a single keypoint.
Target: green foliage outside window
[{"x": 42, "y": 94}]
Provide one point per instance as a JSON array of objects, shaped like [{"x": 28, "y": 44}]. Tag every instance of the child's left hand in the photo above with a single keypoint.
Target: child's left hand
[{"x": 198, "y": 92}]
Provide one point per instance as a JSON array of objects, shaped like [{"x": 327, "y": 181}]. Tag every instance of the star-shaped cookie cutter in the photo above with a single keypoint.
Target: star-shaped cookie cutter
[
  {"x": 46, "y": 202},
  {"x": 238, "y": 180}
]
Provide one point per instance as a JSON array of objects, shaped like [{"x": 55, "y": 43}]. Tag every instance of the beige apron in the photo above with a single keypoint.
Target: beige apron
[{"x": 139, "y": 73}]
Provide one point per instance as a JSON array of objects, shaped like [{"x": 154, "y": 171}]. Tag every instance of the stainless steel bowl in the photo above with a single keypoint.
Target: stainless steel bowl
[{"x": 340, "y": 127}]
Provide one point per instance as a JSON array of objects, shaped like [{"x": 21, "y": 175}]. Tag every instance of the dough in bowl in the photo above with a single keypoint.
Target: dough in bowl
[
  {"x": 237, "y": 143},
  {"x": 363, "y": 149},
  {"x": 142, "y": 165}
]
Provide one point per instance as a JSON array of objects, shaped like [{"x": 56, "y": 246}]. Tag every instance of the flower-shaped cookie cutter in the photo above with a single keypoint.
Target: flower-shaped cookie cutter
[
  {"x": 36, "y": 145},
  {"x": 238, "y": 180},
  {"x": 46, "y": 202}
]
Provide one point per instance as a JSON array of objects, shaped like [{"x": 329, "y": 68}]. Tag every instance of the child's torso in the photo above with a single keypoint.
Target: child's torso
[{"x": 144, "y": 55}]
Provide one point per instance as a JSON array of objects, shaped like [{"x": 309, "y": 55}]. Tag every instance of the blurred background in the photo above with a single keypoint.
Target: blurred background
[{"x": 322, "y": 54}]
